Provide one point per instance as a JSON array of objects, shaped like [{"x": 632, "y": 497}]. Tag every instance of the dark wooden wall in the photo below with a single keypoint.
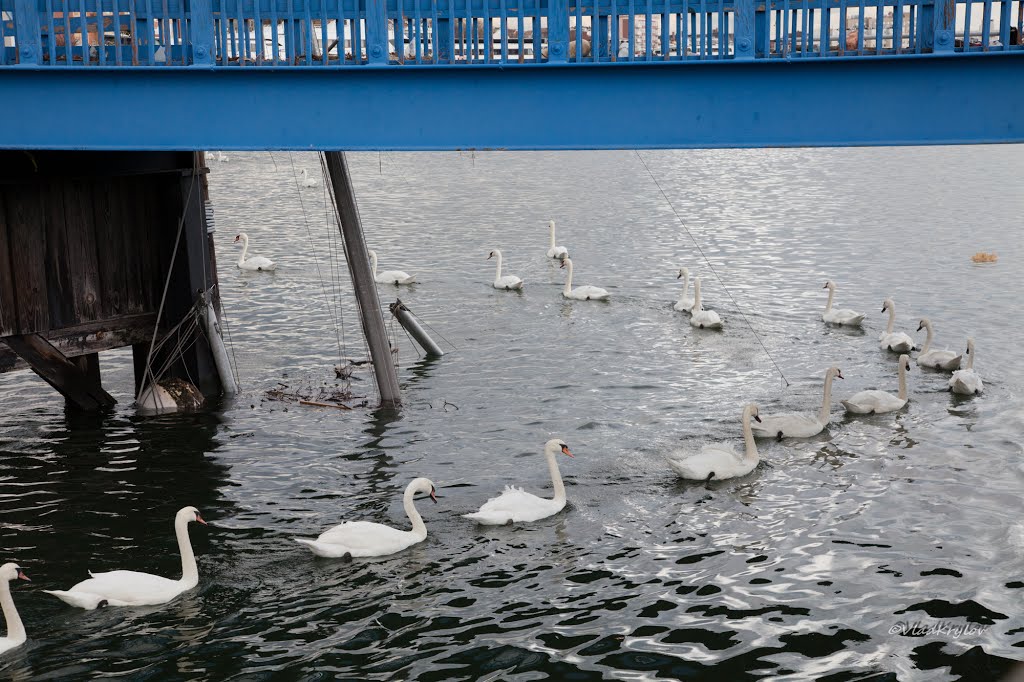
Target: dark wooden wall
[{"x": 77, "y": 250}]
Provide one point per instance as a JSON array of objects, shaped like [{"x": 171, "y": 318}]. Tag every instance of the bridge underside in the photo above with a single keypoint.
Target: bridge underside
[{"x": 835, "y": 102}]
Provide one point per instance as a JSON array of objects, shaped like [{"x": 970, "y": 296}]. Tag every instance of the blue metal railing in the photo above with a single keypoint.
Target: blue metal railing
[{"x": 342, "y": 33}]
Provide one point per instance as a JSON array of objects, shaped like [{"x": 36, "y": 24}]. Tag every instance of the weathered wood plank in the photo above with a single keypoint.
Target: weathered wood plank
[
  {"x": 58, "y": 278},
  {"x": 82, "y": 261},
  {"x": 110, "y": 251},
  {"x": 92, "y": 337},
  {"x": 125, "y": 197},
  {"x": 8, "y": 311},
  {"x": 55, "y": 369},
  {"x": 27, "y": 243}
]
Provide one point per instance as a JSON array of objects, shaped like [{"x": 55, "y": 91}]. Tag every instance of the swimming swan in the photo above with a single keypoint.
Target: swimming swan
[
  {"x": 966, "y": 381},
  {"x": 898, "y": 342},
  {"x": 800, "y": 425},
  {"x": 256, "y": 262},
  {"x": 132, "y": 588},
  {"x": 508, "y": 282},
  {"x": 307, "y": 181},
  {"x": 15, "y": 629},
  {"x": 515, "y": 505},
  {"x": 718, "y": 460},
  {"x": 839, "y": 315},
  {"x": 685, "y": 302},
  {"x": 877, "y": 402},
  {"x": 363, "y": 538},
  {"x": 946, "y": 360},
  {"x": 555, "y": 251},
  {"x": 585, "y": 293},
  {"x": 389, "y": 276},
  {"x": 700, "y": 318}
]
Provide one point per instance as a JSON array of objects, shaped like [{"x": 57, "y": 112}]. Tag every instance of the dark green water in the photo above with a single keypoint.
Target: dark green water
[{"x": 816, "y": 566}]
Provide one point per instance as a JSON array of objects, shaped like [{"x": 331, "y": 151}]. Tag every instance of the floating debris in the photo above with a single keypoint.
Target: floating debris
[{"x": 984, "y": 257}]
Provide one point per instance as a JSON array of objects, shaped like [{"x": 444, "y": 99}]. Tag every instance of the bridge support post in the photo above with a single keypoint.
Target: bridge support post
[
  {"x": 362, "y": 279},
  {"x": 744, "y": 31},
  {"x": 77, "y": 380},
  {"x": 558, "y": 32}
]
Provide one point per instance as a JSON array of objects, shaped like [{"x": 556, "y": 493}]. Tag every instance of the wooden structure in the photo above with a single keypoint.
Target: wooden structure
[{"x": 87, "y": 241}]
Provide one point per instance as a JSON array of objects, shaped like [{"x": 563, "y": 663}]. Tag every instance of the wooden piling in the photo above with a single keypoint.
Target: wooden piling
[{"x": 362, "y": 279}]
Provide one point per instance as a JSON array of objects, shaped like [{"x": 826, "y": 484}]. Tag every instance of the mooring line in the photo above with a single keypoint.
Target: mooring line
[
  {"x": 316, "y": 262},
  {"x": 710, "y": 266}
]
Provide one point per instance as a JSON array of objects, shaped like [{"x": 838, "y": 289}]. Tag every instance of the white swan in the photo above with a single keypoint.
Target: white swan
[
  {"x": 389, "y": 276},
  {"x": 877, "y": 402},
  {"x": 256, "y": 262},
  {"x": 719, "y": 460},
  {"x": 585, "y": 293},
  {"x": 15, "y": 629},
  {"x": 946, "y": 360},
  {"x": 898, "y": 342},
  {"x": 839, "y": 315},
  {"x": 220, "y": 156},
  {"x": 700, "y": 318},
  {"x": 966, "y": 381},
  {"x": 800, "y": 425},
  {"x": 306, "y": 181},
  {"x": 685, "y": 302},
  {"x": 555, "y": 251},
  {"x": 516, "y": 505},
  {"x": 132, "y": 588},
  {"x": 363, "y": 538},
  {"x": 506, "y": 282}
]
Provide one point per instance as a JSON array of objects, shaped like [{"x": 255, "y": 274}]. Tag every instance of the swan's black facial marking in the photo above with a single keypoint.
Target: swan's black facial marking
[
  {"x": 199, "y": 519},
  {"x": 839, "y": 374},
  {"x": 884, "y": 308},
  {"x": 920, "y": 326},
  {"x": 758, "y": 420},
  {"x": 565, "y": 450},
  {"x": 20, "y": 572}
]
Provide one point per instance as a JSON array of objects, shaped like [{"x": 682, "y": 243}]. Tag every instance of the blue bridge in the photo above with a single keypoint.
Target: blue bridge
[{"x": 507, "y": 74}]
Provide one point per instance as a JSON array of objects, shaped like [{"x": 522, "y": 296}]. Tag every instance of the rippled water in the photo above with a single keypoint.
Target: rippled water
[{"x": 806, "y": 569}]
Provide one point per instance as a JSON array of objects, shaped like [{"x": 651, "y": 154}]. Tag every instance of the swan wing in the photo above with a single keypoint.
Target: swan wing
[
  {"x": 515, "y": 505},
  {"x": 589, "y": 293},
  {"x": 721, "y": 460},
  {"x": 872, "y": 401},
  {"x": 508, "y": 282},
  {"x": 684, "y": 305},
  {"x": 121, "y": 588},
  {"x": 790, "y": 425},
  {"x": 557, "y": 252},
  {"x": 939, "y": 359},
  {"x": 966, "y": 382},
  {"x": 258, "y": 263},
  {"x": 706, "y": 319},
  {"x": 843, "y": 316},
  {"x": 363, "y": 538},
  {"x": 395, "y": 277},
  {"x": 897, "y": 341}
]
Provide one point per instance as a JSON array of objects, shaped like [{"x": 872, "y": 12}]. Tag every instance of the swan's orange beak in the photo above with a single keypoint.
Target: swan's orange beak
[
  {"x": 199, "y": 519},
  {"x": 433, "y": 495},
  {"x": 565, "y": 451},
  {"x": 22, "y": 576}
]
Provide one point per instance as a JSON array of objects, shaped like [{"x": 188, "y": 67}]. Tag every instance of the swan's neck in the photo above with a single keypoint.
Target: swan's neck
[
  {"x": 892, "y": 319},
  {"x": 551, "y": 233},
  {"x": 826, "y": 402},
  {"x": 189, "y": 570},
  {"x": 556, "y": 478},
  {"x": 686, "y": 286},
  {"x": 696, "y": 297},
  {"x": 568, "y": 277},
  {"x": 245, "y": 249},
  {"x": 497, "y": 272},
  {"x": 15, "y": 629},
  {"x": 748, "y": 439},
  {"x": 927, "y": 339},
  {"x": 831, "y": 293},
  {"x": 418, "y": 527},
  {"x": 903, "y": 381},
  {"x": 970, "y": 359}
]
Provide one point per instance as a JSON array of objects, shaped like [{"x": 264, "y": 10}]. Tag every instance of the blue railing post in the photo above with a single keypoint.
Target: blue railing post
[
  {"x": 26, "y": 31},
  {"x": 201, "y": 34},
  {"x": 744, "y": 31},
  {"x": 377, "y": 51},
  {"x": 944, "y": 28},
  {"x": 558, "y": 31}
]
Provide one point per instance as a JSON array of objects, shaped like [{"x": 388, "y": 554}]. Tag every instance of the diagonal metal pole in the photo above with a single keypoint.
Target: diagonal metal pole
[{"x": 362, "y": 279}]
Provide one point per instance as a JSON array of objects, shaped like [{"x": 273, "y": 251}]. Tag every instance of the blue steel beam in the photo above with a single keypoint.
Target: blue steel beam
[{"x": 906, "y": 100}]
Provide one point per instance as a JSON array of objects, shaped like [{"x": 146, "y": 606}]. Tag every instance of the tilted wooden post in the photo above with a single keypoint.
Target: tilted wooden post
[{"x": 362, "y": 279}]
